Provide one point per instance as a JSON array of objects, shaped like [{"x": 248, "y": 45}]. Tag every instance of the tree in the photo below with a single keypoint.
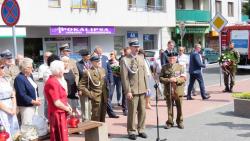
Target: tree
[{"x": 246, "y": 9}]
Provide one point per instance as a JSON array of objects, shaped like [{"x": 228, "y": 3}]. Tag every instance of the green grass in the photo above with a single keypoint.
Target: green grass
[{"x": 242, "y": 95}]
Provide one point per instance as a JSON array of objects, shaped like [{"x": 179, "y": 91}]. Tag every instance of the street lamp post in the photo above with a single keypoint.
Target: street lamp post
[{"x": 182, "y": 31}]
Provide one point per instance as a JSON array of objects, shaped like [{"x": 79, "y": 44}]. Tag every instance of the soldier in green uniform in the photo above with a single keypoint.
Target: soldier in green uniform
[
  {"x": 92, "y": 85},
  {"x": 229, "y": 60},
  {"x": 173, "y": 78},
  {"x": 134, "y": 82}
]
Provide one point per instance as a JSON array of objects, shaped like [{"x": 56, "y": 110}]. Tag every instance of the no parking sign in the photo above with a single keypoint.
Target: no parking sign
[{"x": 10, "y": 12}]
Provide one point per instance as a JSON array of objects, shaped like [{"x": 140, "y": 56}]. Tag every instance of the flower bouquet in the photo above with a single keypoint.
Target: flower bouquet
[{"x": 116, "y": 69}]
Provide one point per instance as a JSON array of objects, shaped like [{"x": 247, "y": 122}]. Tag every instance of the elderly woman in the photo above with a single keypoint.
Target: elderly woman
[
  {"x": 26, "y": 91},
  {"x": 56, "y": 94},
  {"x": 7, "y": 105}
]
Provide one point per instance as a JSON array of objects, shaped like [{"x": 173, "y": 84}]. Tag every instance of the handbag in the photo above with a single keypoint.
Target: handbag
[
  {"x": 40, "y": 123},
  {"x": 28, "y": 132}
]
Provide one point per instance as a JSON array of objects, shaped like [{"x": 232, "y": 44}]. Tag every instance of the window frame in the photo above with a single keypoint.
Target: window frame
[
  {"x": 230, "y": 11},
  {"x": 54, "y": 6},
  {"x": 216, "y": 8}
]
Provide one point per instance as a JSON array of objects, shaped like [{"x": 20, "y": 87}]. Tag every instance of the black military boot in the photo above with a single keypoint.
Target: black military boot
[{"x": 226, "y": 89}]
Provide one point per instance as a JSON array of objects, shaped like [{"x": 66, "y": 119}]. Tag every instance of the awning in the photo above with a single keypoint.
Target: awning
[{"x": 194, "y": 30}]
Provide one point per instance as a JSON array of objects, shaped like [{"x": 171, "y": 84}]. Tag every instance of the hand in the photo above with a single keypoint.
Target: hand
[
  {"x": 79, "y": 92},
  {"x": 13, "y": 111},
  {"x": 36, "y": 102},
  {"x": 69, "y": 110},
  {"x": 172, "y": 79},
  {"x": 129, "y": 96}
]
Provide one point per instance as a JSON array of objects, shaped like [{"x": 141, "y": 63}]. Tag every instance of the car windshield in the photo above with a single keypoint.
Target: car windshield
[{"x": 149, "y": 54}]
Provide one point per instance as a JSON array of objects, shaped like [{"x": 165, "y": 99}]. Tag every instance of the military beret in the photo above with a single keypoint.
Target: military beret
[
  {"x": 94, "y": 58},
  {"x": 172, "y": 54},
  {"x": 65, "y": 47},
  {"x": 84, "y": 52},
  {"x": 134, "y": 43},
  {"x": 6, "y": 54}
]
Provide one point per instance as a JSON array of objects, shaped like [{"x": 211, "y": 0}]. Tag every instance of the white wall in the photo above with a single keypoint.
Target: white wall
[
  {"x": 237, "y": 10},
  {"x": 109, "y": 13}
]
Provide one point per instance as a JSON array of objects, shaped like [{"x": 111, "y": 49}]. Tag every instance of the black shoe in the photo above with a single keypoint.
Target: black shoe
[
  {"x": 181, "y": 126},
  {"x": 168, "y": 126},
  {"x": 143, "y": 135},
  {"x": 207, "y": 97},
  {"x": 132, "y": 136},
  {"x": 225, "y": 90},
  {"x": 113, "y": 116},
  {"x": 125, "y": 113},
  {"x": 190, "y": 98}
]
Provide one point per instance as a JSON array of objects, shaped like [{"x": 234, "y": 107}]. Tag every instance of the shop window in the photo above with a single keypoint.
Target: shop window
[
  {"x": 180, "y": 4},
  {"x": 33, "y": 48},
  {"x": 118, "y": 44},
  {"x": 218, "y": 7},
  {"x": 54, "y": 3},
  {"x": 84, "y": 4},
  {"x": 230, "y": 9},
  {"x": 146, "y": 5},
  {"x": 149, "y": 41}
]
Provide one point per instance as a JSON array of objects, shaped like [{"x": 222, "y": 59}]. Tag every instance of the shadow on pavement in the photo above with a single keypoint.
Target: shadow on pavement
[
  {"x": 232, "y": 114},
  {"x": 244, "y": 135},
  {"x": 232, "y": 125}
]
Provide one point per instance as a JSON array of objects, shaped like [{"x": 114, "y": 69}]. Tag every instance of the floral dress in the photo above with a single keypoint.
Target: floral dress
[{"x": 9, "y": 122}]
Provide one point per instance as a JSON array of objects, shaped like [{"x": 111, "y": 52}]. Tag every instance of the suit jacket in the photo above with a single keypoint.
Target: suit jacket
[
  {"x": 25, "y": 92},
  {"x": 81, "y": 66},
  {"x": 175, "y": 70},
  {"x": 89, "y": 84},
  {"x": 108, "y": 70},
  {"x": 135, "y": 83},
  {"x": 195, "y": 63}
]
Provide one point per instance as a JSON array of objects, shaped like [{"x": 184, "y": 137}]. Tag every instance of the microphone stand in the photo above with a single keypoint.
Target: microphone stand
[{"x": 156, "y": 85}]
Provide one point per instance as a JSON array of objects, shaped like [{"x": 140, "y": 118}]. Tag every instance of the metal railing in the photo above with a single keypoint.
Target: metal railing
[{"x": 84, "y": 5}]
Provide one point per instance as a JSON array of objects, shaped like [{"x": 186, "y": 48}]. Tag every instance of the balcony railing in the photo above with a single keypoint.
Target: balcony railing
[
  {"x": 192, "y": 15},
  {"x": 155, "y": 5},
  {"x": 84, "y": 4}
]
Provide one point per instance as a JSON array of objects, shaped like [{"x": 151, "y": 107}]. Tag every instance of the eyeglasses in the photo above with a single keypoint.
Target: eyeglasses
[
  {"x": 181, "y": 50},
  {"x": 111, "y": 54},
  {"x": 2, "y": 67}
]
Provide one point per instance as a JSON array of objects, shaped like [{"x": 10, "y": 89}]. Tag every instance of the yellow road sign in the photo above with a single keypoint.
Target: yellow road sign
[{"x": 218, "y": 22}]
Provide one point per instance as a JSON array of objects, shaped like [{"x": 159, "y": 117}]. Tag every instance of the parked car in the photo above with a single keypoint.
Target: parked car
[
  {"x": 152, "y": 56},
  {"x": 210, "y": 55}
]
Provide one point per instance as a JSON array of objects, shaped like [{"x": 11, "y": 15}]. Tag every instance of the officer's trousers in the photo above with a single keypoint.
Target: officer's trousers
[
  {"x": 178, "y": 103},
  {"x": 136, "y": 105}
]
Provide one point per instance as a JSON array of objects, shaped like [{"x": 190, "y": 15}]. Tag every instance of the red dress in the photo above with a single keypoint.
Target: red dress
[{"x": 57, "y": 117}]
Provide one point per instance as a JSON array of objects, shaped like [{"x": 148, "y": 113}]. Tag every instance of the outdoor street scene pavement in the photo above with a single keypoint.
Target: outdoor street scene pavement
[{"x": 204, "y": 120}]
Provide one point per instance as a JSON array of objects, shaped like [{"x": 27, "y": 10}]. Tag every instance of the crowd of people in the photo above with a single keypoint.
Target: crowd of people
[{"x": 86, "y": 88}]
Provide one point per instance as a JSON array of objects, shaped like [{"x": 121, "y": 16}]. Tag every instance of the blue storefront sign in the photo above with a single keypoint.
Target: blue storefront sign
[
  {"x": 148, "y": 37},
  {"x": 240, "y": 43},
  {"x": 132, "y": 34}
]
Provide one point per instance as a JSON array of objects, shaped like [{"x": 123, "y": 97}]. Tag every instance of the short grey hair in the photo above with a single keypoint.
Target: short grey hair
[
  {"x": 25, "y": 63},
  {"x": 56, "y": 67}
]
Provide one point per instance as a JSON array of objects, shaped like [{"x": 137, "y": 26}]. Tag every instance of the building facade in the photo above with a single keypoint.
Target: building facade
[{"x": 90, "y": 23}]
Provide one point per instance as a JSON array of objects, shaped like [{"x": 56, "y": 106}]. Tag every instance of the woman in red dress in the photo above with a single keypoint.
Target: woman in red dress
[{"x": 56, "y": 94}]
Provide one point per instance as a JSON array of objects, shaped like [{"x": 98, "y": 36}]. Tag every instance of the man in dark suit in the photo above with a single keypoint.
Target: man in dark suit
[
  {"x": 108, "y": 79},
  {"x": 164, "y": 55},
  {"x": 195, "y": 65}
]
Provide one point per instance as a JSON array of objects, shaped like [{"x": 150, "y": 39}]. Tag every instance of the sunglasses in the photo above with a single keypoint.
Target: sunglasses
[{"x": 2, "y": 67}]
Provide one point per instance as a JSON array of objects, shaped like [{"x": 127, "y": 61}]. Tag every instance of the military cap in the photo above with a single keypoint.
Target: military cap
[
  {"x": 94, "y": 58},
  {"x": 134, "y": 43},
  {"x": 65, "y": 47},
  {"x": 172, "y": 54},
  {"x": 84, "y": 52},
  {"x": 6, "y": 54}
]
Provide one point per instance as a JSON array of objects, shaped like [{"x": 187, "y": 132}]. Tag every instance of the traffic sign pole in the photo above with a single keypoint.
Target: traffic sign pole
[
  {"x": 14, "y": 40},
  {"x": 220, "y": 55}
]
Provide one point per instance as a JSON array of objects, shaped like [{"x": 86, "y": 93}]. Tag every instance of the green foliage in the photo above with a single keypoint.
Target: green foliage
[
  {"x": 246, "y": 9},
  {"x": 242, "y": 95}
]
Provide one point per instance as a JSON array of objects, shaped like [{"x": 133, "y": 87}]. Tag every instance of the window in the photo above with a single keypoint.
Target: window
[
  {"x": 180, "y": 4},
  {"x": 54, "y": 3},
  {"x": 196, "y": 4},
  {"x": 146, "y": 5},
  {"x": 230, "y": 9},
  {"x": 149, "y": 41},
  {"x": 218, "y": 7},
  {"x": 84, "y": 4},
  {"x": 119, "y": 44}
]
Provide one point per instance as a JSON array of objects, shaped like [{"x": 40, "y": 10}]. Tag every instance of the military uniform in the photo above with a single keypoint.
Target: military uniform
[
  {"x": 92, "y": 85},
  {"x": 173, "y": 91},
  {"x": 229, "y": 67},
  {"x": 134, "y": 80}
]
